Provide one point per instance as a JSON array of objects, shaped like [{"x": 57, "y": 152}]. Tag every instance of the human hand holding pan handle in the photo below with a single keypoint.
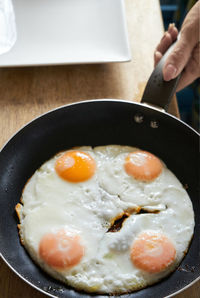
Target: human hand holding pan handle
[
  {"x": 185, "y": 57},
  {"x": 181, "y": 58}
]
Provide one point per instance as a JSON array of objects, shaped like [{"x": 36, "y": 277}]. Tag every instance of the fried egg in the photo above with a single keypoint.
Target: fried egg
[{"x": 110, "y": 219}]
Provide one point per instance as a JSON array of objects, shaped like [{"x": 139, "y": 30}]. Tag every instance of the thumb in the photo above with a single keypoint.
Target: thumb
[
  {"x": 188, "y": 38},
  {"x": 178, "y": 58}
]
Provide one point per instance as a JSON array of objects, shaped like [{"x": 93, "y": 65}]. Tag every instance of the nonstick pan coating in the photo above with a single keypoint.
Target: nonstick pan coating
[{"x": 98, "y": 122}]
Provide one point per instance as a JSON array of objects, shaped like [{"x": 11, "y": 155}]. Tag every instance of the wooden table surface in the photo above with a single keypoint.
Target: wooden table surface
[{"x": 28, "y": 92}]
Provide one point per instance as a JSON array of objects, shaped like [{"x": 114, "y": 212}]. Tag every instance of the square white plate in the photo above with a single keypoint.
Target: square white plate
[{"x": 68, "y": 32}]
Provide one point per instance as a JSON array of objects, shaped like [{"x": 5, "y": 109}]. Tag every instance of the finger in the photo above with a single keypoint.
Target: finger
[
  {"x": 173, "y": 31},
  {"x": 192, "y": 70},
  {"x": 164, "y": 44},
  {"x": 167, "y": 39},
  {"x": 157, "y": 57}
]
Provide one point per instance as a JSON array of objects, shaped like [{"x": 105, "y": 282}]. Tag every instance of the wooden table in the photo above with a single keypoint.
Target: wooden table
[{"x": 28, "y": 92}]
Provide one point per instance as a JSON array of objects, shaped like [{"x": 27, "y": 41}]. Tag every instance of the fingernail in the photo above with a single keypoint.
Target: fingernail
[
  {"x": 171, "y": 25},
  {"x": 157, "y": 53},
  {"x": 169, "y": 72},
  {"x": 157, "y": 57}
]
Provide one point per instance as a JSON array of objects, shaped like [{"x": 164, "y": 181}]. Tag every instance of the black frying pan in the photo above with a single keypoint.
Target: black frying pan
[{"x": 100, "y": 122}]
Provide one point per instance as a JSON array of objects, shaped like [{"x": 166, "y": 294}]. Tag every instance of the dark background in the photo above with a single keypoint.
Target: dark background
[{"x": 174, "y": 11}]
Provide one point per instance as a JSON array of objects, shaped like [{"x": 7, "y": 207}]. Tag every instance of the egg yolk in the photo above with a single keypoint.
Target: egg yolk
[
  {"x": 143, "y": 165},
  {"x": 152, "y": 252},
  {"x": 75, "y": 166},
  {"x": 61, "y": 250}
]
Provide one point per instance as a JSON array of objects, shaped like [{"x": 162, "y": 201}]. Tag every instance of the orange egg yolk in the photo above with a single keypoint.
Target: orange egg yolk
[
  {"x": 75, "y": 166},
  {"x": 143, "y": 165},
  {"x": 61, "y": 250},
  {"x": 152, "y": 252}
]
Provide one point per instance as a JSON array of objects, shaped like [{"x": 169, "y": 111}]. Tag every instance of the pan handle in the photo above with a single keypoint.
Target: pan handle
[{"x": 159, "y": 92}]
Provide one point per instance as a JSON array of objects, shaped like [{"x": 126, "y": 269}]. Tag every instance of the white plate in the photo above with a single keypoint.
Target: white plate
[{"x": 67, "y": 32}]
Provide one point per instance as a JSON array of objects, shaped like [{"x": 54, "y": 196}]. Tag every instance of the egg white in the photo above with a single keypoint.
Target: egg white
[{"x": 50, "y": 203}]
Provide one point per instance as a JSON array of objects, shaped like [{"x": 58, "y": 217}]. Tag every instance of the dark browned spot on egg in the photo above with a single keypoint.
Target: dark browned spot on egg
[
  {"x": 117, "y": 222},
  {"x": 143, "y": 210}
]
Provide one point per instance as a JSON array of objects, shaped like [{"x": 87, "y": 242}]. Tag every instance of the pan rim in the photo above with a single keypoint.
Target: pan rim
[
  {"x": 183, "y": 289},
  {"x": 97, "y": 100},
  {"x": 85, "y": 102}
]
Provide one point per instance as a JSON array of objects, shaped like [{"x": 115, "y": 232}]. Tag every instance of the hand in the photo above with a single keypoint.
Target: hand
[{"x": 186, "y": 53}]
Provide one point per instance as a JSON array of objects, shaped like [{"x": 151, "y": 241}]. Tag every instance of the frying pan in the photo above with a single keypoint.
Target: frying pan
[{"x": 100, "y": 122}]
